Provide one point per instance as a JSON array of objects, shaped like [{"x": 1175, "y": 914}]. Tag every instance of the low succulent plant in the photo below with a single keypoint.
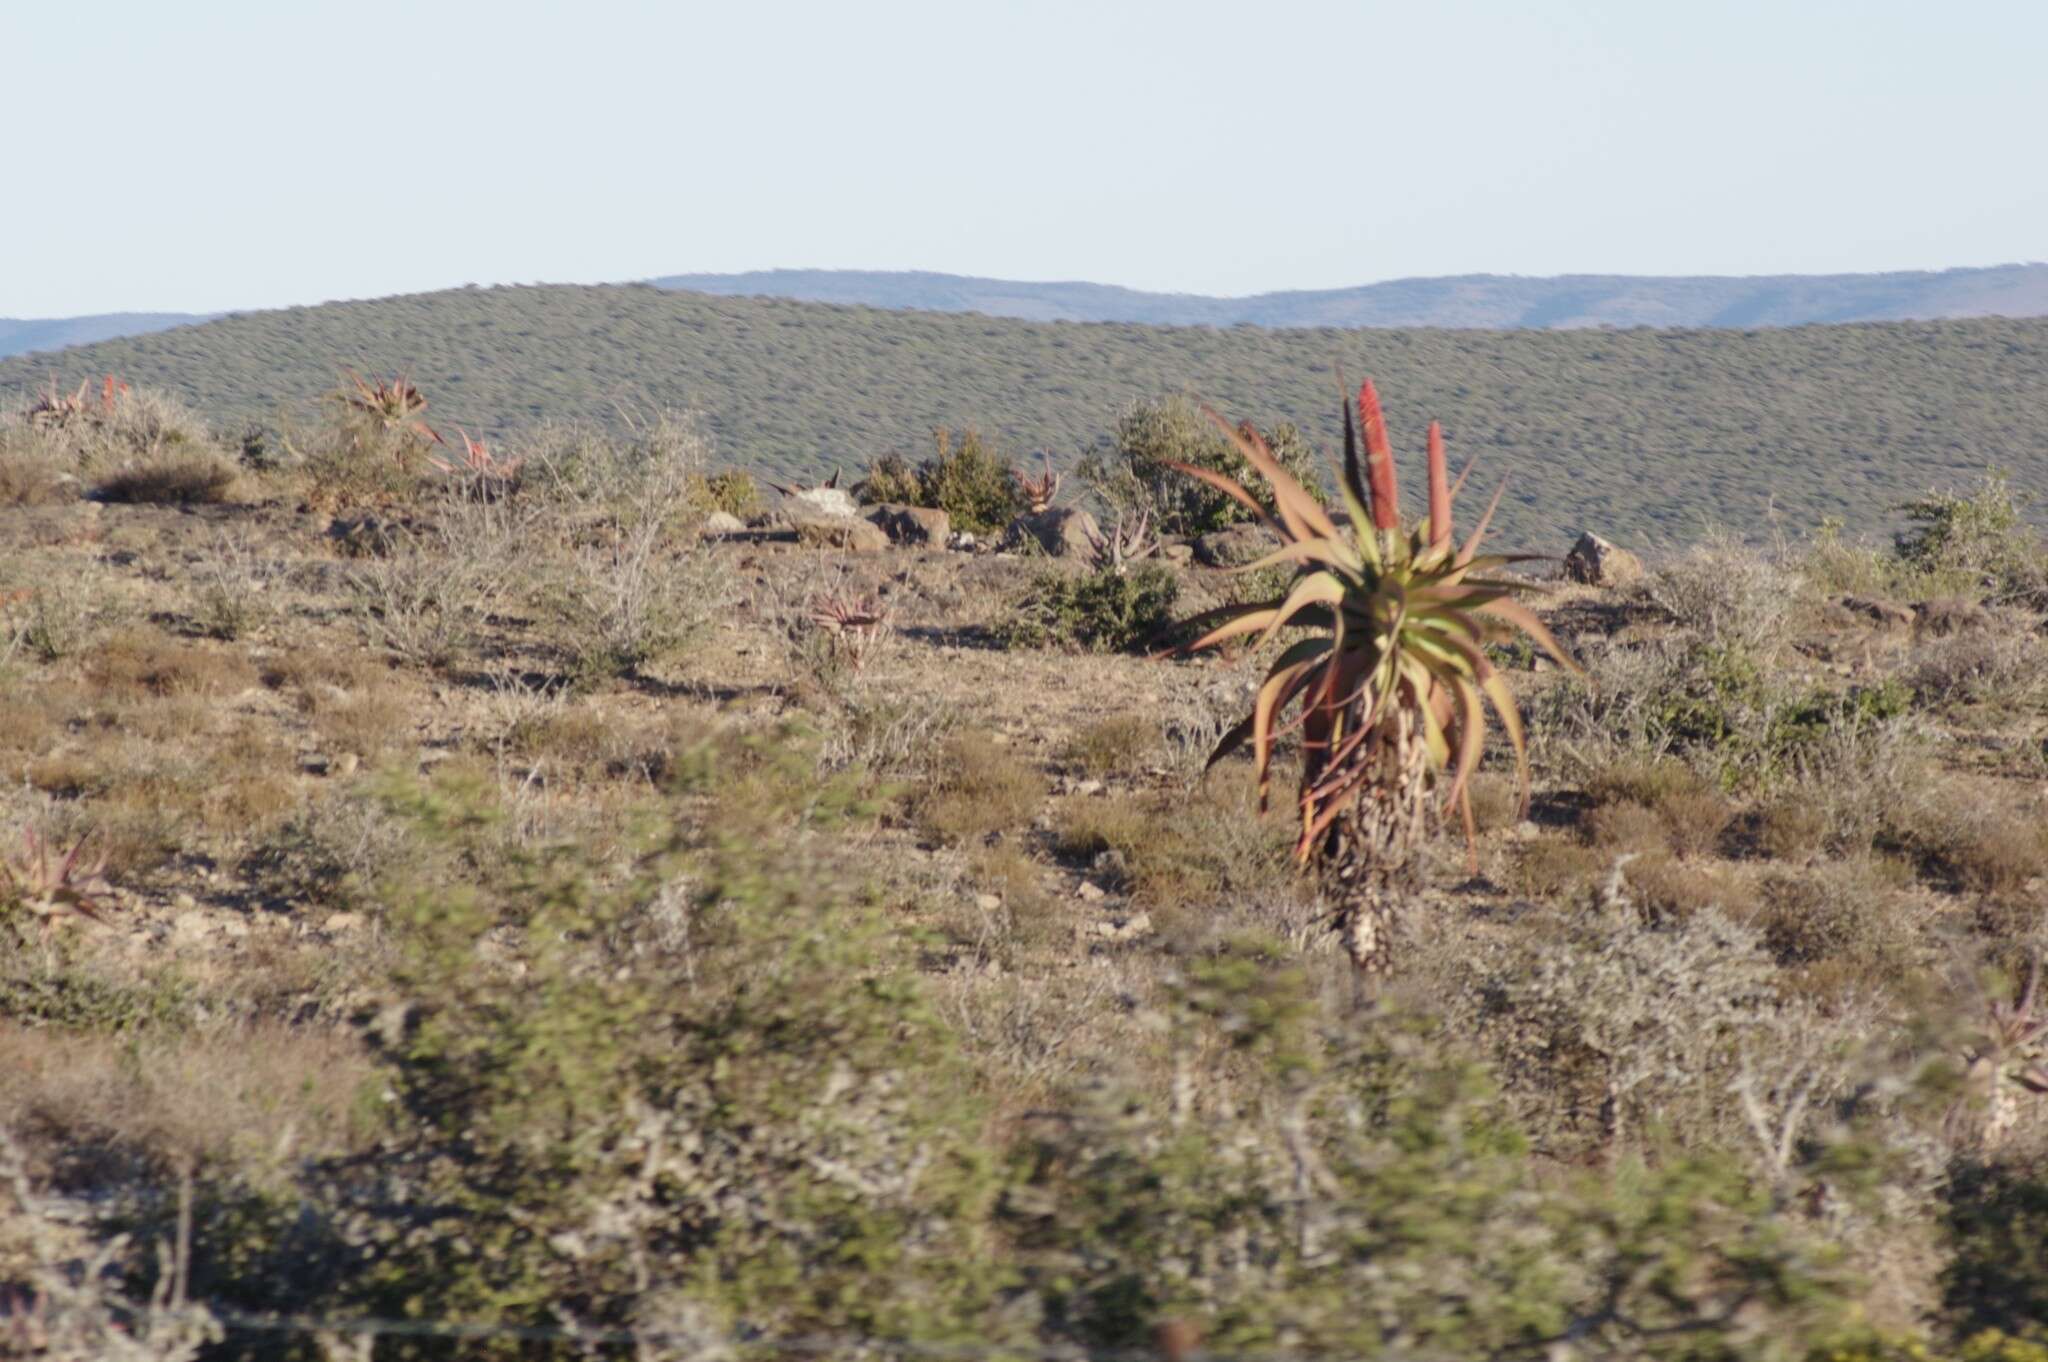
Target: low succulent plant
[
  {"x": 1039, "y": 491},
  {"x": 393, "y": 406},
  {"x": 1393, "y": 681},
  {"x": 1129, "y": 541},
  {"x": 52, "y": 891}
]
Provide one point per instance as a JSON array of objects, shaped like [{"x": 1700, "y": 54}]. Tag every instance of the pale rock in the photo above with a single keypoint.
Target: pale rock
[
  {"x": 1060, "y": 531},
  {"x": 1597, "y": 562},
  {"x": 841, "y": 532},
  {"x": 919, "y": 525},
  {"x": 723, "y": 522},
  {"x": 825, "y": 501}
]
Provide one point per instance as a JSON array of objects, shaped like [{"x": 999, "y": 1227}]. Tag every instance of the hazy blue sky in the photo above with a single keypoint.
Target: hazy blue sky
[{"x": 208, "y": 154}]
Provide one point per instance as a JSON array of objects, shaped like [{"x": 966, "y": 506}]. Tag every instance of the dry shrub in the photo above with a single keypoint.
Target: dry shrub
[
  {"x": 1665, "y": 889},
  {"x": 1974, "y": 843},
  {"x": 62, "y": 613},
  {"x": 1625, "y": 827},
  {"x": 184, "y": 477},
  {"x": 1496, "y": 802},
  {"x": 2003, "y": 666},
  {"x": 1173, "y": 852},
  {"x": 1118, "y": 746},
  {"x": 631, "y": 585},
  {"x": 1846, "y": 911},
  {"x": 1689, "y": 814},
  {"x": 233, "y": 591},
  {"x": 896, "y": 735},
  {"x": 1791, "y": 828},
  {"x": 1730, "y": 595},
  {"x": 1026, "y": 918},
  {"x": 425, "y": 609},
  {"x": 31, "y": 474},
  {"x": 979, "y": 790},
  {"x": 328, "y": 852},
  {"x": 1556, "y": 867}
]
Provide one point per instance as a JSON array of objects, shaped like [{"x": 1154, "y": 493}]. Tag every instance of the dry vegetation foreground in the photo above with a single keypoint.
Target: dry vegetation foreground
[{"x": 499, "y": 900}]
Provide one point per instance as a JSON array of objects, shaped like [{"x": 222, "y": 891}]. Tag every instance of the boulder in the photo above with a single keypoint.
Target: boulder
[
  {"x": 1179, "y": 552},
  {"x": 821, "y": 501},
  {"x": 913, "y": 524},
  {"x": 840, "y": 532},
  {"x": 1596, "y": 562},
  {"x": 1235, "y": 545},
  {"x": 1061, "y": 531},
  {"x": 724, "y": 522}
]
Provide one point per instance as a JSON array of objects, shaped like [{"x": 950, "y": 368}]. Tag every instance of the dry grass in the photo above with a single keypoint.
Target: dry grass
[
  {"x": 980, "y": 790},
  {"x": 1122, "y": 745},
  {"x": 31, "y": 475},
  {"x": 140, "y": 663},
  {"x": 254, "y": 1097}
]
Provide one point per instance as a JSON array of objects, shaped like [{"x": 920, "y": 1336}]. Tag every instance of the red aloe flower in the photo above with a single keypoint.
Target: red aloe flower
[
  {"x": 1379, "y": 460},
  {"x": 1439, "y": 489}
]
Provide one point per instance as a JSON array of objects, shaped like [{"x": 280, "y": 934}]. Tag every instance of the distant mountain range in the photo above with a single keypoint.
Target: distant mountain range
[
  {"x": 20, "y": 336},
  {"x": 1482, "y": 301},
  {"x": 1501, "y": 302}
]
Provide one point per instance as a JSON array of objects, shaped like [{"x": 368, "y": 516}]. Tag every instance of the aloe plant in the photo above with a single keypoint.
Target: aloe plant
[
  {"x": 49, "y": 890},
  {"x": 1393, "y": 683},
  {"x": 1039, "y": 491},
  {"x": 392, "y": 406}
]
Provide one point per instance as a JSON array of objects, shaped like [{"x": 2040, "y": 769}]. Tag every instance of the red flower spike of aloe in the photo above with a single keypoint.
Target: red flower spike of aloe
[
  {"x": 1379, "y": 460},
  {"x": 1439, "y": 489}
]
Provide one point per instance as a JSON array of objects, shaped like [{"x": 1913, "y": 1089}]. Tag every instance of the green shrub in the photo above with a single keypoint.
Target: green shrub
[
  {"x": 1103, "y": 611},
  {"x": 966, "y": 479},
  {"x": 1997, "y": 1225},
  {"x": 1358, "y": 1190},
  {"x": 1132, "y": 473},
  {"x": 1975, "y": 540},
  {"x": 702, "y": 1098},
  {"x": 734, "y": 492}
]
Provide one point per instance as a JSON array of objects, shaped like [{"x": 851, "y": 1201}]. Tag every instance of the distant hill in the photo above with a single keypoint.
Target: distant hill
[
  {"x": 19, "y": 336},
  {"x": 1492, "y": 301},
  {"x": 1650, "y": 436}
]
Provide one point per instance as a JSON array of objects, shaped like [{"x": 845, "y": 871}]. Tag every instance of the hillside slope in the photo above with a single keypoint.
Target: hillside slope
[
  {"x": 21, "y": 335},
  {"x": 1647, "y": 435},
  {"x": 1492, "y": 301}
]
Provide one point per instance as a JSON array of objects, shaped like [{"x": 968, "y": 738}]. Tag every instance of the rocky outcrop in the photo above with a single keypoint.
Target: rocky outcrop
[
  {"x": 1597, "y": 562},
  {"x": 847, "y": 532},
  {"x": 820, "y": 501},
  {"x": 1062, "y": 532},
  {"x": 723, "y": 522},
  {"x": 918, "y": 525}
]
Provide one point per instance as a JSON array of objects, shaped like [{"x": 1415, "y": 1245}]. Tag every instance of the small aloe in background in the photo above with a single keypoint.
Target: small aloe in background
[
  {"x": 51, "y": 890},
  {"x": 477, "y": 459},
  {"x": 392, "y": 406},
  {"x": 1039, "y": 491},
  {"x": 1393, "y": 682}
]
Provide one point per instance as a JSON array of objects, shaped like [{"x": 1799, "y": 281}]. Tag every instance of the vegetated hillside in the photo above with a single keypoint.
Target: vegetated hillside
[
  {"x": 1646, "y": 435},
  {"x": 22, "y": 335},
  {"x": 1494, "y": 301}
]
